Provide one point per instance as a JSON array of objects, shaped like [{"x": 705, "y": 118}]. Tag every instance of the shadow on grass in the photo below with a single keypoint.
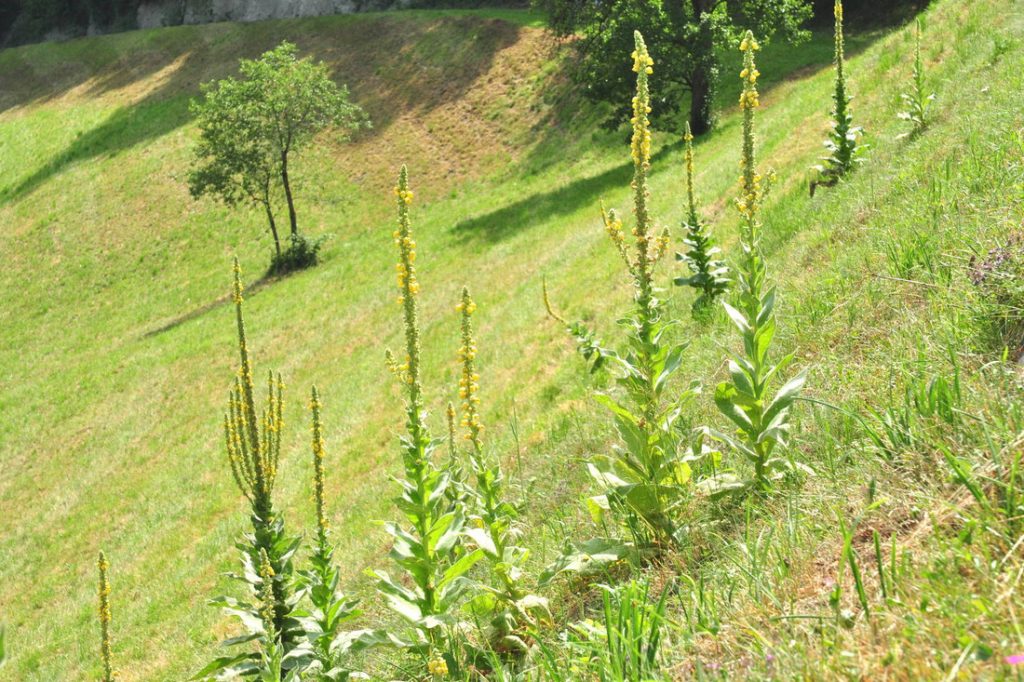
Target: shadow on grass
[
  {"x": 782, "y": 63},
  {"x": 525, "y": 213},
  {"x": 125, "y": 128},
  {"x": 572, "y": 120},
  {"x": 250, "y": 291},
  {"x": 396, "y": 65}
]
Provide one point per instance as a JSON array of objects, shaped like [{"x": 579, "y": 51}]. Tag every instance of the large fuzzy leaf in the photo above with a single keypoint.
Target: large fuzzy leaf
[{"x": 590, "y": 557}]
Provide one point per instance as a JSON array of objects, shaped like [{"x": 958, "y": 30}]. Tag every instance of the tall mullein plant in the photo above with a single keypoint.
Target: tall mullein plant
[
  {"x": 428, "y": 546},
  {"x": 330, "y": 607},
  {"x": 918, "y": 101},
  {"x": 762, "y": 419},
  {"x": 105, "y": 618},
  {"x": 842, "y": 142},
  {"x": 253, "y": 442},
  {"x": 646, "y": 478},
  {"x": 494, "y": 526},
  {"x": 710, "y": 276}
]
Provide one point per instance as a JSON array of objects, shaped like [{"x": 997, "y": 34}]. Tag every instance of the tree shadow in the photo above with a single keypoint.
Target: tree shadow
[
  {"x": 125, "y": 128},
  {"x": 779, "y": 63},
  {"x": 250, "y": 291},
  {"x": 417, "y": 66},
  {"x": 525, "y": 213}
]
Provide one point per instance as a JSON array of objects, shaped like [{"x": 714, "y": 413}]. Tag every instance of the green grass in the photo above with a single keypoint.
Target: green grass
[{"x": 116, "y": 351}]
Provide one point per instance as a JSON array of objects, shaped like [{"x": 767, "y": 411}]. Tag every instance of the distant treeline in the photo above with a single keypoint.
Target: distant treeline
[
  {"x": 26, "y": 21},
  {"x": 868, "y": 12},
  {"x": 23, "y": 21}
]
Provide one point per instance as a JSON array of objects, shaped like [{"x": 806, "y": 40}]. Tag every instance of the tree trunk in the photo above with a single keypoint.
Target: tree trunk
[
  {"x": 273, "y": 229},
  {"x": 288, "y": 193},
  {"x": 700, "y": 103},
  {"x": 705, "y": 71}
]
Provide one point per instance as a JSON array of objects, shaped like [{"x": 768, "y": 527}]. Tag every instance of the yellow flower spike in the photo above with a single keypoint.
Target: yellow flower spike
[
  {"x": 468, "y": 377},
  {"x": 318, "y": 467},
  {"x": 105, "y": 618},
  {"x": 252, "y": 443},
  {"x": 407, "y": 296},
  {"x": 749, "y": 102},
  {"x": 642, "y": 265},
  {"x": 266, "y": 593}
]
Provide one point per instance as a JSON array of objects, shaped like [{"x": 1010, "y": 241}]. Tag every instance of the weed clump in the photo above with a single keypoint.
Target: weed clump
[
  {"x": 710, "y": 276},
  {"x": 999, "y": 279},
  {"x": 918, "y": 101},
  {"x": 302, "y": 252},
  {"x": 842, "y": 142}
]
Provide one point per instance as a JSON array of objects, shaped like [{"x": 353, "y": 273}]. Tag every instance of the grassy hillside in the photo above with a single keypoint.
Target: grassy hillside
[{"x": 117, "y": 348}]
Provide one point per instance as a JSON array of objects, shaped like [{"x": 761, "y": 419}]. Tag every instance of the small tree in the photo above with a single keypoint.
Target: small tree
[{"x": 250, "y": 127}]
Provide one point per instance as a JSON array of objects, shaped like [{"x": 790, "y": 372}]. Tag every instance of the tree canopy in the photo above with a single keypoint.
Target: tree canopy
[{"x": 684, "y": 38}]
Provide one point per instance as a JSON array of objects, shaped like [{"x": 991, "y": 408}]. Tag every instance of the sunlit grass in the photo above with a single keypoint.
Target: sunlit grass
[{"x": 114, "y": 349}]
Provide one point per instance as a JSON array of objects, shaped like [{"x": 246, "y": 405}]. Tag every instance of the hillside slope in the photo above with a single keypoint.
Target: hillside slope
[{"x": 116, "y": 351}]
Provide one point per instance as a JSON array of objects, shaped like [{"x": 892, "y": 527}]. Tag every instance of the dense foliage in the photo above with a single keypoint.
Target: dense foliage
[
  {"x": 684, "y": 37},
  {"x": 23, "y": 21}
]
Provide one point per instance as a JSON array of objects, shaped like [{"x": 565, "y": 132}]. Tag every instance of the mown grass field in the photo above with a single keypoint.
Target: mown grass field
[{"x": 117, "y": 344}]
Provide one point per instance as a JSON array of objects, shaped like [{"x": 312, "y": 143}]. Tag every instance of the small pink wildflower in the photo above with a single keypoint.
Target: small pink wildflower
[{"x": 1016, "y": 659}]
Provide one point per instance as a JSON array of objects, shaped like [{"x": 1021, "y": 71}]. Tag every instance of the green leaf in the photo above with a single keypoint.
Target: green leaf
[
  {"x": 616, "y": 408},
  {"x": 789, "y": 392},
  {"x": 672, "y": 363},
  {"x": 461, "y": 566},
  {"x": 737, "y": 318},
  {"x": 741, "y": 379},
  {"x": 444, "y": 532},
  {"x": 388, "y": 586},
  {"x": 355, "y": 641},
  {"x": 604, "y": 477},
  {"x": 633, "y": 436},
  {"x": 597, "y": 506},
  {"x": 228, "y": 666},
  {"x": 590, "y": 557},
  {"x": 763, "y": 340},
  {"x": 725, "y": 399},
  {"x": 721, "y": 485},
  {"x": 767, "y": 306}
]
